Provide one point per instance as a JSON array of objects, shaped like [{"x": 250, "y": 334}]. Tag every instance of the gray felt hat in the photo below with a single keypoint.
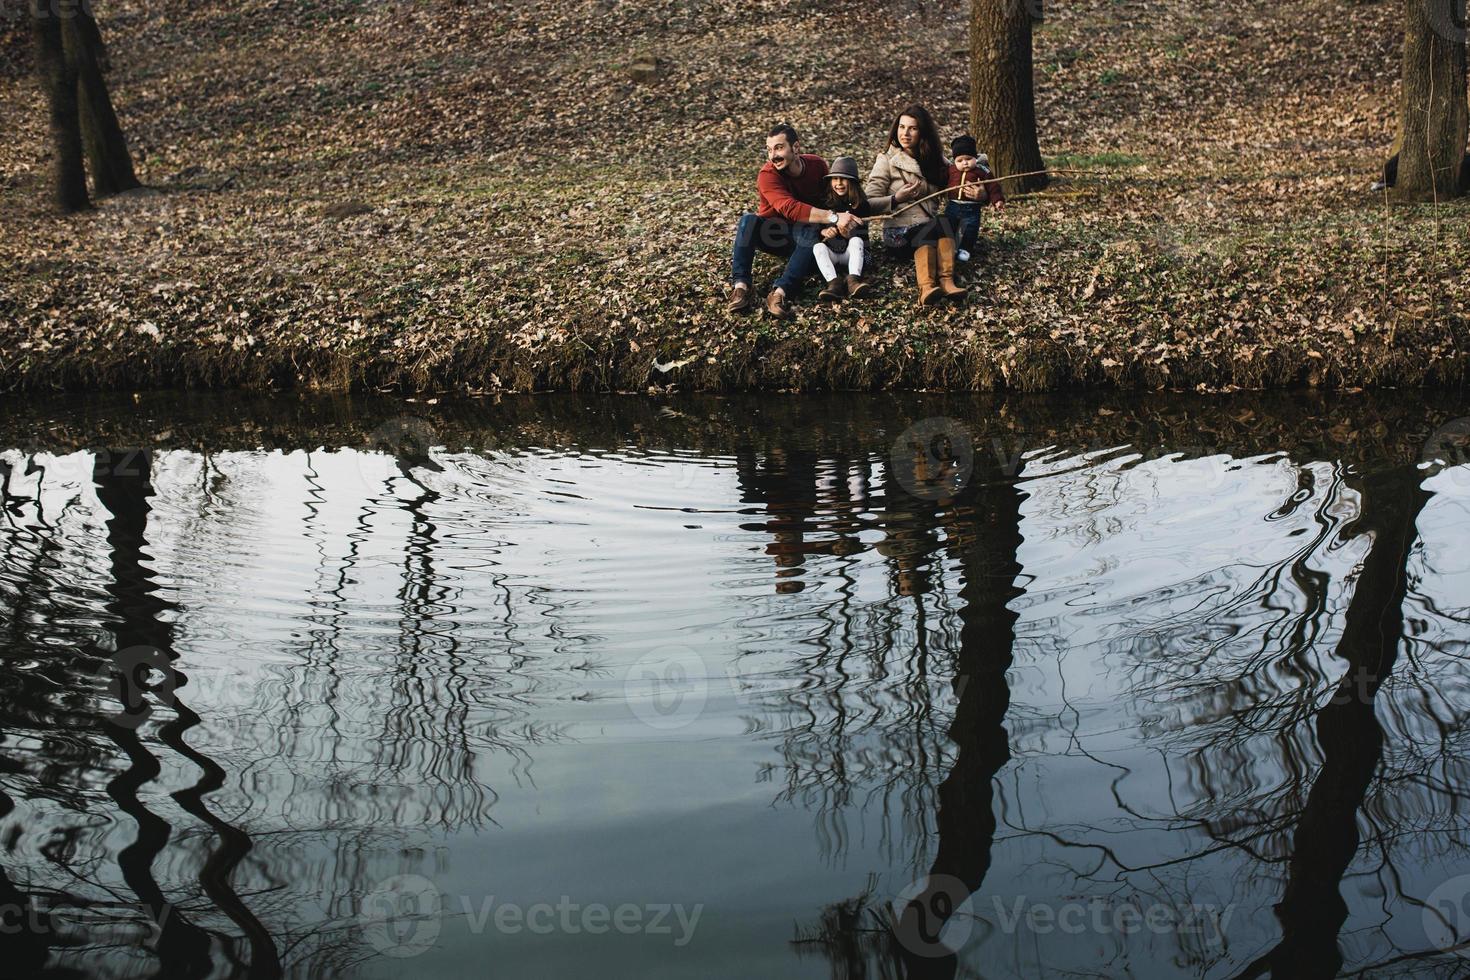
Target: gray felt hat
[{"x": 843, "y": 167}]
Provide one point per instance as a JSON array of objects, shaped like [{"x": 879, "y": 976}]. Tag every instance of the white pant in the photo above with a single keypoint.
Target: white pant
[{"x": 851, "y": 257}]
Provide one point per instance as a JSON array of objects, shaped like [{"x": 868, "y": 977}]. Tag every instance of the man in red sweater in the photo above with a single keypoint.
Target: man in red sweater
[{"x": 788, "y": 222}]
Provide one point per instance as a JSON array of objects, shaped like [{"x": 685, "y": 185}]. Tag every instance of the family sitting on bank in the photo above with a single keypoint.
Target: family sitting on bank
[{"x": 813, "y": 215}]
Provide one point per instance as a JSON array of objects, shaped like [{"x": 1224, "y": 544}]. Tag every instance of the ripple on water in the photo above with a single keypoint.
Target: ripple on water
[{"x": 746, "y": 675}]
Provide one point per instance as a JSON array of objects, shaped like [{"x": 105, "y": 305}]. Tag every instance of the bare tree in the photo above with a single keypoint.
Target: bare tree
[
  {"x": 71, "y": 61},
  {"x": 1002, "y": 99},
  {"x": 1428, "y": 160}
]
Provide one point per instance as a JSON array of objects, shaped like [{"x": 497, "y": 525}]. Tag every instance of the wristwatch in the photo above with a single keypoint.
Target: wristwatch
[{"x": 832, "y": 217}]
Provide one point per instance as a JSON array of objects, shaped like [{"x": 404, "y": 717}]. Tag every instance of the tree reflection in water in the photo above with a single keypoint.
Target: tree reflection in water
[
  {"x": 1278, "y": 734},
  {"x": 1229, "y": 719},
  {"x": 113, "y": 720}
]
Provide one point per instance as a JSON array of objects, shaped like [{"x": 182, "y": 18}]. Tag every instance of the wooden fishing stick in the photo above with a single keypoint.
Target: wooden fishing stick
[{"x": 989, "y": 180}]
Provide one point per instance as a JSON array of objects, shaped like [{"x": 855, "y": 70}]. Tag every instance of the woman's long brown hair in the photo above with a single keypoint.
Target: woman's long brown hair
[{"x": 930, "y": 157}]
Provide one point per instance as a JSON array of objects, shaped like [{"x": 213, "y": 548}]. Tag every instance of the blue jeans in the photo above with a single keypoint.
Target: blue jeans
[
  {"x": 964, "y": 217},
  {"x": 779, "y": 237}
]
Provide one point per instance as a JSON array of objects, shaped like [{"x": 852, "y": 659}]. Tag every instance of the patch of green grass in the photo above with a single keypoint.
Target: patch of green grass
[
  {"x": 1085, "y": 161},
  {"x": 1110, "y": 77},
  {"x": 1055, "y": 61},
  {"x": 1015, "y": 240}
]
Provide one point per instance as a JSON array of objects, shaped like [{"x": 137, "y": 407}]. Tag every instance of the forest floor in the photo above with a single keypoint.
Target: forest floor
[{"x": 446, "y": 196}]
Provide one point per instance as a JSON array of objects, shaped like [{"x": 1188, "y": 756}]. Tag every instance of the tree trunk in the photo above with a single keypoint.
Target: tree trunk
[
  {"x": 1002, "y": 102},
  {"x": 102, "y": 135},
  {"x": 60, "y": 81},
  {"x": 1433, "y": 115}
]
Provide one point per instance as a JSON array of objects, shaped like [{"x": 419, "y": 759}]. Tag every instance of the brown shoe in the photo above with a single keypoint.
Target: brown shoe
[
  {"x": 856, "y": 287},
  {"x": 926, "y": 271},
  {"x": 739, "y": 299},
  {"x": 946, "y": 272},
  {"x": 834, "y": 292},
  {"x": 776, "y": 305}
]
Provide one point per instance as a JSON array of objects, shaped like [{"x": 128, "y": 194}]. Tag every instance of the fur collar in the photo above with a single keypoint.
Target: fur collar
[{"x": 902, "y": 162}]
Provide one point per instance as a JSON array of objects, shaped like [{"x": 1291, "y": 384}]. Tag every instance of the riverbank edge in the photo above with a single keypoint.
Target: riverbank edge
[{"x": 755, "y": 355}]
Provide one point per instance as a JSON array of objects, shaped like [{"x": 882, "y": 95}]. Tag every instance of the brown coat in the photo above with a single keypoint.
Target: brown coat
[{"x": 891, "y": 171}]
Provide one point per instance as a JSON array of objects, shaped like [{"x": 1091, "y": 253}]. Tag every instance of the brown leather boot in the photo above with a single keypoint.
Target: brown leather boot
[
  {"x": 926, "y": 270},
  {"x": 946, "y": 271},
  {"x": 856, "y": 287},
  {"x": 834, "y": 291},
  {"x": 776, "y": 305},
  {"x": 739, "y": 299}
]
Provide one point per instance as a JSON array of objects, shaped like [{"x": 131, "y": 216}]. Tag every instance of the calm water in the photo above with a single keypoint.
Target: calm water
[{"x": 776, "y": 687}]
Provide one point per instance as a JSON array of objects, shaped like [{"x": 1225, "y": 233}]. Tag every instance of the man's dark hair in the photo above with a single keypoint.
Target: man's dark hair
[{"x": 786, "y": 130}]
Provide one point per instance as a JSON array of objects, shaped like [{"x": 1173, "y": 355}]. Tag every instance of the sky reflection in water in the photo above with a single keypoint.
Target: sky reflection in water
[{"x": 562, "y": 687}]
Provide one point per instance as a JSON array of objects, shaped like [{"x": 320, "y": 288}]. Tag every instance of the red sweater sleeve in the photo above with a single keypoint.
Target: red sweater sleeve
[{"x": 774, "y": 192}]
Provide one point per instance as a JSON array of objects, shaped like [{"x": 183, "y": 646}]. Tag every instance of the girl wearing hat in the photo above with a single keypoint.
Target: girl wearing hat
[{"x": 844, "y": 193}]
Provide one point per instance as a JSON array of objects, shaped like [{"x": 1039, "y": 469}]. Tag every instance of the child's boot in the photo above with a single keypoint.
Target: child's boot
[
  {"x": 834, "y": 292},
  {"x": 856, "y": 287}
]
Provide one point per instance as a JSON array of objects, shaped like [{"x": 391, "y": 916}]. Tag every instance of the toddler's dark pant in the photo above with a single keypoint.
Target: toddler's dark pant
[{"x": 964, "y": 216}]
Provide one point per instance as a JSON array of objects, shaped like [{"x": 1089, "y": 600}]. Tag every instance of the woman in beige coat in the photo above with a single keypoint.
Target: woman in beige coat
[{"x": 911, "y": 168}]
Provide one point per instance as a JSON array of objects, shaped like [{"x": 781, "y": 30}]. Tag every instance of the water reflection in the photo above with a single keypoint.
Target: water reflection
[{"x": 1059, "y": 663}]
